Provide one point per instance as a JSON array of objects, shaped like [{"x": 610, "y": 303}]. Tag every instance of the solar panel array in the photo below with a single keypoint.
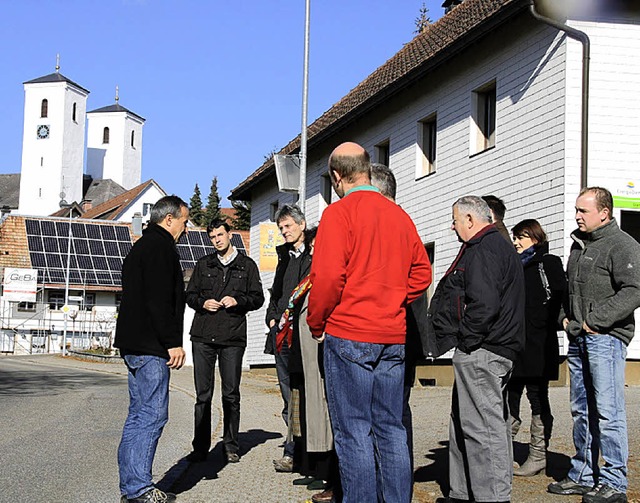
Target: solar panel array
[{"x": 98, "y": 250}]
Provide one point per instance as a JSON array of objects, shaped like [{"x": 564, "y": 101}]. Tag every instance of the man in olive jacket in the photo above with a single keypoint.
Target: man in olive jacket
[
  {"x": 149, "y": 335},
  {"x": 223, "y": 288},
  {"x": 604, "y": 290}
]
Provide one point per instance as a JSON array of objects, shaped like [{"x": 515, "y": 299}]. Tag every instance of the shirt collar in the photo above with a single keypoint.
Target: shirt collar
[
  {"x": 295, "y": 253},
  {"x": 230, "y": 258},
  {"x": 369, "y": 188}
]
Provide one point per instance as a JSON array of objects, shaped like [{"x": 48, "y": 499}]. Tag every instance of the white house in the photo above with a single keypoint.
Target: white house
[{"x": 487, "y": 100}]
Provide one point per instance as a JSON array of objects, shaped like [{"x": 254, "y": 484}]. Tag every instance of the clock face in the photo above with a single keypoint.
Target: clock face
[{"x": 43, "y": 132}]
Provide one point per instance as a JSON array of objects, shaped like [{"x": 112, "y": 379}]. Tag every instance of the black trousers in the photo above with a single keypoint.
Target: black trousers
[
  {"x": 230, "y": 367},
  {"x": 538, "y": 395}
]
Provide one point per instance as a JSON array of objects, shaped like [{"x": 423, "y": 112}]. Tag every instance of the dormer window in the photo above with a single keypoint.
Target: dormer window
[
  {"x": 105, "y": 135},
  {"x": 44, "y": 108}
]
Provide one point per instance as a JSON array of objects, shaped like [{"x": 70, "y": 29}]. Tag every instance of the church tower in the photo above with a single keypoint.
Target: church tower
[
  {"x": 114, "y": 145},
  {"x": 52, "y": 143}
]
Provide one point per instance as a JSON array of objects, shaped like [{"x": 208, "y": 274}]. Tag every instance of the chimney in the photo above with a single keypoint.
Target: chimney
[
  {"x": 86, "y": 205},
  {"x": 136, "y": 224}
]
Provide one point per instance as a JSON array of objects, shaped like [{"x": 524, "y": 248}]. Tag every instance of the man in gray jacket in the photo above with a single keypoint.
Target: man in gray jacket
[{"x": 604, "y": 290}]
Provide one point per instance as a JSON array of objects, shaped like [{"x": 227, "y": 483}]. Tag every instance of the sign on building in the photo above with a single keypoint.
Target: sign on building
[
  {"x": 270, "y": 237},
  {"x": 20, "y": 285}
]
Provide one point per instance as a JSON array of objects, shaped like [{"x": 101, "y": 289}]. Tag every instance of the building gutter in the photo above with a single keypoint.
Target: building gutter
[{"x": 581, "y": 37}]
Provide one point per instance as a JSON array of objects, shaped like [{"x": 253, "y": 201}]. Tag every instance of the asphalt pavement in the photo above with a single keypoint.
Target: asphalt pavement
[{"x": 61, "y": 420}]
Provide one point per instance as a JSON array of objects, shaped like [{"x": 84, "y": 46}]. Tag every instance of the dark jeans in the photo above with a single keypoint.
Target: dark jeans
[
  {"x": 538, "y": 396},
  {"x": 282, "y": 370},
  {"x": 230, "y": 367}
]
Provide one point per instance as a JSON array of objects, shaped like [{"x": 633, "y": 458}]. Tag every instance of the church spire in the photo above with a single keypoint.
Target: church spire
[
  {"x": 117, "y": 95},
  {"x": 57, "y": 63}
]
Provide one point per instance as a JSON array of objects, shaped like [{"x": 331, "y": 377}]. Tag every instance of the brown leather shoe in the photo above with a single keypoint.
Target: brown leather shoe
[{"x": 323, "y": 497}]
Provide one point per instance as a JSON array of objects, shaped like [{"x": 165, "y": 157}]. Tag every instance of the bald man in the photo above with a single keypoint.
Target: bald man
[{"x": 368, "y": 263}]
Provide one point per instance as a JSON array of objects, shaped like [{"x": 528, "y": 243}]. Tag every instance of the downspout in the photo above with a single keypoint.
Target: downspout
[{"x": 581, "y": 37}]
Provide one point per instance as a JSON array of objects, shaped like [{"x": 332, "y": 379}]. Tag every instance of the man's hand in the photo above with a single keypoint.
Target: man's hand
[
  {"x": 228, "y": 302},
  {"x": 588, "y": 329},
  {"x": 212, "y": 305},
  {"x": 176, "y": 358},
  {"x": 272, "y": 323},
  {"x": 565, "y": 323}
]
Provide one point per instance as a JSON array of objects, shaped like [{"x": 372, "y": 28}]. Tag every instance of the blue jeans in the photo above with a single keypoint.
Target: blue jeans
[
  {"x": 148, "y": 413},
  {"x": 364, "y": 383},
  {"x": 596, "y": 366}
]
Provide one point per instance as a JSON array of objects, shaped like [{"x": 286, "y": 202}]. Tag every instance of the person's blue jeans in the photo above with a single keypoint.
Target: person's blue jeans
[
  {"x": 364, "y": 383},
  {"x": 596, "y": 368},
  {"x": 148, "y": 413}
]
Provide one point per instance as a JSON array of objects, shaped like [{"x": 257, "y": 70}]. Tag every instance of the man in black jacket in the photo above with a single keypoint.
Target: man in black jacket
[
  {"x": 294, "y": 263},
  {"x": 223, "y": 288},
  {"x": 478, "y": 308},
  {"x": 149, "y": 335}
]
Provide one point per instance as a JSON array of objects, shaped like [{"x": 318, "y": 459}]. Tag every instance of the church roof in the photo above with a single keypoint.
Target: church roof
[
  {"x": 111, "y": 209},
  {"x": 10, "y": 190},
  {"x": 100, "y": 191},
  {"x": 55, "y": 77},
  {"x": 115, "y": 108}
]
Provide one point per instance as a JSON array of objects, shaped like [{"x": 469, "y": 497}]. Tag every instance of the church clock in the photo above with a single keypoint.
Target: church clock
[{"x": 43, "y": 132}]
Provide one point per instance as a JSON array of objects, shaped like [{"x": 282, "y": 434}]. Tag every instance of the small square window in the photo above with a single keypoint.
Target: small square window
[{"x": 427, "y": 129}]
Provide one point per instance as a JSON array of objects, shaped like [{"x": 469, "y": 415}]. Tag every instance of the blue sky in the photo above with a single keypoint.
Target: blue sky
[{"x": 219, "y": 82}]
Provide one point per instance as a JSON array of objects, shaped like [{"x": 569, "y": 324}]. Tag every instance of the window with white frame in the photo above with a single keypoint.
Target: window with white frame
[
  {"x": 427, "y": 136},
  {"x": 381, "y": 153},
  {"x": 26, "y": 307},
  {"x": 55, "y": 299},
  {"x": 483, "y": 133}
]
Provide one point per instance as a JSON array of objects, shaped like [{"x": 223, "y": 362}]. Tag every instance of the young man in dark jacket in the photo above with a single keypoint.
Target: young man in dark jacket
[
  {"x": 149, "y": 335},
  {"x": 223, "y": 288},
  {"x": 478, "y": 308}
]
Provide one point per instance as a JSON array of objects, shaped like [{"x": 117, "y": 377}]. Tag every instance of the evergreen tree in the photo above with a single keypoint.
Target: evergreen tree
[
  {"x": 196, "y": 213},
  {"x": 212, "y": 212},
  {"x": 242, "y": 221},
  {"x": 423, "y": 20}
]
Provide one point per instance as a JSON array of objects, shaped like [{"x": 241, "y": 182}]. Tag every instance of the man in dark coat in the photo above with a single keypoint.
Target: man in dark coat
[
  {"x": 478, "y": 308},
  {"x": 294, "y": 263},
  {"x": 223, "y": 288},
  {"x": 149, "y": 335}
]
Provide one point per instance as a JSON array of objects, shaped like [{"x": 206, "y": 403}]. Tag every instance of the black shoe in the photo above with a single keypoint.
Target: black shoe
[
  {"x": 602, "y": 493},
  {"x": 196, "y": 457},
  {"x": 233, "y": 457},
  {"x": 567, "y": 486},
  {"x": 304, "y": 481},
  {"x": 154, "y": 495}
]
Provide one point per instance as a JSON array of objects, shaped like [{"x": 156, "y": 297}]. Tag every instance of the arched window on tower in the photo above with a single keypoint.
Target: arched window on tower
[
  {"x": 44, "y": 108},
  {"x": 133, "y": 136},
  {"x": 73, "y": 113},
  {"x": 105, "y": 135}
]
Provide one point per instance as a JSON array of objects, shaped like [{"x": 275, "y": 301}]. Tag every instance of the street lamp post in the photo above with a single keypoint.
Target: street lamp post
[{"x": 64, "y": 204}]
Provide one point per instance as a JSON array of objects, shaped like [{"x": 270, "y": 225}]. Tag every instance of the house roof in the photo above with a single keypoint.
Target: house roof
[
  {"x": 111, "y": 209},
  {"x": 55, "y": 77},
  {"x": 10, "y": 190},
  {"x": 101, "y": 191},
  {"x": 438, "y": 43},
  {"x": 115, "y": 108}
]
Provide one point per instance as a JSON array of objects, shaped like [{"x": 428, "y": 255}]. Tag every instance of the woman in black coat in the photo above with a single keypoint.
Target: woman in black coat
[{"x": 545, "y": 285}]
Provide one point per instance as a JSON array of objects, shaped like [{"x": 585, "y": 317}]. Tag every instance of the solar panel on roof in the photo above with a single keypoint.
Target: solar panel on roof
[
  {"x": 48, "y": 228},
  {"x": 78, "y": 230},
  {"x": 122, "y": 233},
  {"x": 93, "y": 231},
  {"x": 108, "y": 234}
]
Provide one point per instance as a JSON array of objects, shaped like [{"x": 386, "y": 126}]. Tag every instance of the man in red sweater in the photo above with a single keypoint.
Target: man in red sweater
[{"x": 368, "y": 263}]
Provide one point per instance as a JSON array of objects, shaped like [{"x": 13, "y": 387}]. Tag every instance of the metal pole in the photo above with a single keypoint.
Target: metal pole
[
  {"x": 66, "y": 288},
  {"x": 302, "y": 193}
]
